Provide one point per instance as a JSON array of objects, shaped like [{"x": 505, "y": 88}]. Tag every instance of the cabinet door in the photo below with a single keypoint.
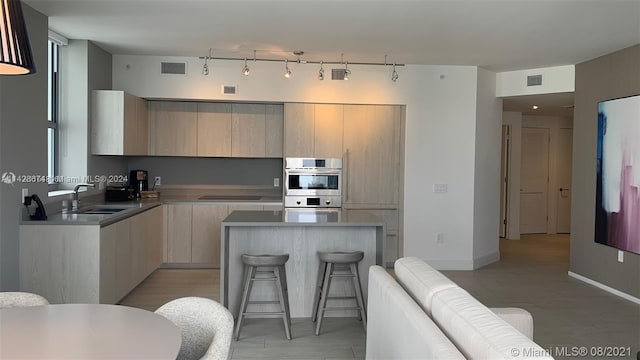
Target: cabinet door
[
  {"x": 214, "y": 129},
  {"x": 205, "y": 240},
  {"x": 371, "y": 155},
  {"x": 115, "y": 262},
  {"x": 328, "y": 125},
  {"x": 179, "y": 233},
  {"x": 108, "y": 110},
  {"x": 173, "y": 128},
  {"x": 136, "y": 125},
  {"x": 146, "y": 244},
  {"x": 274, "y": 131},
  {"x": 248, "y": 130},
  {"x": 298, "y": 130}
]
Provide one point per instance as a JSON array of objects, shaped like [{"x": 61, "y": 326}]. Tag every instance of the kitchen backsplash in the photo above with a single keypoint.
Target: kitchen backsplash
[{"x": 209, "y": 171}]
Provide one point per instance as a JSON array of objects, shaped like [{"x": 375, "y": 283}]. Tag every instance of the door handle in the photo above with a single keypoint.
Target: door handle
[{"x": 563, "y": 189}]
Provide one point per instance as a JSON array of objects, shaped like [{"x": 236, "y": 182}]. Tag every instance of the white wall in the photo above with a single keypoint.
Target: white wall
[
  {"x": 514, "y": 120},
  {"x": 486, "y": 188},
  {"x": 23, "y": 143},
  {"x": 555, "y": 79},
  {"x": 440, "y": 130}
]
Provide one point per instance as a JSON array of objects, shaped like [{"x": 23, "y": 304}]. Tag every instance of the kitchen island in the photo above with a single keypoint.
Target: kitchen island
[{"x": 301, "y": 234}]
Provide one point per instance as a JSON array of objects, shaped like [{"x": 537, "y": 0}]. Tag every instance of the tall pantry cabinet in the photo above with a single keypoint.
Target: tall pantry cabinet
[{"x": 369, "y": 139}]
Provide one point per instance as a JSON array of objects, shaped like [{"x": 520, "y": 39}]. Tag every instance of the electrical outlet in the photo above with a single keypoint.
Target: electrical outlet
[
  {"x": 440, "y": 188},
  {"x": 439, "y": 238},
  {"x": 157, "y": 181},
  {"x": 620, "y": 256},
  {"x": 276, "y": 182},
  {"x": 25, "y": 193}
]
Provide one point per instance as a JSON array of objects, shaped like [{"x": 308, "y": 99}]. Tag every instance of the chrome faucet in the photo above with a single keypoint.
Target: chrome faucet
[
  {"x": 75, "y": 189},
  {"x": 76, "y": 202}
]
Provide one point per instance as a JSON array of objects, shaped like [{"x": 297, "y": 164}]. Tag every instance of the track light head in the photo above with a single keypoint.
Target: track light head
[
  {"x": 245, "y": 69},
  {"x": 287, "y": 72},
  {"x": 321, "y": 72},
  {"x": 205, "y": 68},
  {"x": 394, "y": 74}
]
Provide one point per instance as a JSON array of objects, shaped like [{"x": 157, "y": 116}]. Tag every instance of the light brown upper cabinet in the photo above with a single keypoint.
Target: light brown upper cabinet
[
  {"x": 173, "y": 128},
  {"x": 274, "y": 130},
  {"x": 119, "y": 123},
  {"x": 214, "y": 129},
  {"x": 313, "y": 130},
  {"x": 371, "y": 160},
  {"x": 298, "y": 130},
  {"x": 248, "y": 130}
]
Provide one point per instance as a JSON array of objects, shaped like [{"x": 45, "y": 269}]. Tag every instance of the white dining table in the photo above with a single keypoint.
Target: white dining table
[{"x": 86, "y": 331}]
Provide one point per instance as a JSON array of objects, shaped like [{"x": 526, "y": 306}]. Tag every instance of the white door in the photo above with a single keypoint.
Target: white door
[
  {"x": 534, "y": 181},
  {"x": 565, "y": 143},
  {"x": 504, "y": 171}
]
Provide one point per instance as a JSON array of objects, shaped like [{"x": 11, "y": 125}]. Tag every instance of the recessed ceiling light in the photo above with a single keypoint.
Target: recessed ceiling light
[{"x": 535, "y": 107}]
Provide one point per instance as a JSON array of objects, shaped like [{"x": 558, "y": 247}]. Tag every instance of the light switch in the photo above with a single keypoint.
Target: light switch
[{"x": 620, "y": 256}]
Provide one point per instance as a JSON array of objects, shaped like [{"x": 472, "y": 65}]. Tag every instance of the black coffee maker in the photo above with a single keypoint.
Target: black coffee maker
[{"x": 138, "y": 180}]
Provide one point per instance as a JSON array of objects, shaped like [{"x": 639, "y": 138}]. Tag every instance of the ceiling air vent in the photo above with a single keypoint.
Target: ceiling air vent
[
  {"x": 174, "y": 68},
  {"x": 229, "y": 90},
  {"x": 337, "y": 74},
  {"x": 534, "y": 80}
]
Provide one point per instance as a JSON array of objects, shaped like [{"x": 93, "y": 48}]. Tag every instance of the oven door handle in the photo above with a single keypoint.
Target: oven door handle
[{"x": 313, "y": 172}]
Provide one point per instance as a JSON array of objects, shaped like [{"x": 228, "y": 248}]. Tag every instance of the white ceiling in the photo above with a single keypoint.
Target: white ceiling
[
  {"x": 557, "y": 104},
  {"x": 499, "y": 35}
]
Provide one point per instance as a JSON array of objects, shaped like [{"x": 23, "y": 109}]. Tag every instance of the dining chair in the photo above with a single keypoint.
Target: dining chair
[
  {"x": 9, "y": 299},
  {"x": 206, "y": 327}
]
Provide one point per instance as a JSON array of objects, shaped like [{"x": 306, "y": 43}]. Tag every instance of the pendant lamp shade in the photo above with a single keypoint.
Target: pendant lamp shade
[{"x": 15, "y": 51}]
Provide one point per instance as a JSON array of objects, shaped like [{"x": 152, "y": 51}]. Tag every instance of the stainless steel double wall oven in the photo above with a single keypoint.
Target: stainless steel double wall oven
[{"x": 313, "y": 183}]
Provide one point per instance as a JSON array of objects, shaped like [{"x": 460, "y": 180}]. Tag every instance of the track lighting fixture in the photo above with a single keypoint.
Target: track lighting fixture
[
  {"x": 394, "y": 74},
  {"x": 321, "y": 72},
  {"x": 245, "y": 69},
  {"x": 287, "y": 72},
  {"x": 337, "y": 74},
  {"x": 205, "y": 68}
]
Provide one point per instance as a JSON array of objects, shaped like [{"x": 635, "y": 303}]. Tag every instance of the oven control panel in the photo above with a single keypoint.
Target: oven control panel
[{"x": 312, "y": 202}]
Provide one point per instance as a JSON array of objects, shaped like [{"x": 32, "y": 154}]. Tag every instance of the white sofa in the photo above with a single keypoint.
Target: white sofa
[{"x": 424, "y": 315}]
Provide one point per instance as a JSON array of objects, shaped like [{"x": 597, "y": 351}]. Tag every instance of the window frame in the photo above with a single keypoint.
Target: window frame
[{"x": 53, "y": 97}]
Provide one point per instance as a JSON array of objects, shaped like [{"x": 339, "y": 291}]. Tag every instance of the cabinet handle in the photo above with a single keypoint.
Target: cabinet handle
[{"x": 345, "y": 171}]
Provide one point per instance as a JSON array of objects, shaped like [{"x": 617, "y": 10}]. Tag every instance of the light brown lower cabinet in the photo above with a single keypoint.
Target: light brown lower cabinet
[
  {"x": 88, "y": 263},
  {"x": 392, "y": 222},
  {"x": 193, "y": 231}
]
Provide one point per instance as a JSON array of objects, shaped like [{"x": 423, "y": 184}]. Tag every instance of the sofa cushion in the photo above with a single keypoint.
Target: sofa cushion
[
  {"x": 420, "y": 280},
  {"x": 398, "y": 328},
  {"x": 477, "y": 331},
  {"x": 519, "y": 318}
]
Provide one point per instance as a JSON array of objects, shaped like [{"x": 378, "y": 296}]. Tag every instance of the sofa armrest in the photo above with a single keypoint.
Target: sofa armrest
[{"x": 519, "y": 318}]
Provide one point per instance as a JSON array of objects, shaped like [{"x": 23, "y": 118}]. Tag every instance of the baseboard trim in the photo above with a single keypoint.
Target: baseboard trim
[
  {"x": 605, "y": 287},
  {"x": 486, "y": 260}
]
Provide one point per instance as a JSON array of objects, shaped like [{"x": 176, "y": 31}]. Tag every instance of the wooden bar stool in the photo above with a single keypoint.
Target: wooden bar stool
[
  {"x": 275, "y": 272},
  {"x": 326, "y": 272}
]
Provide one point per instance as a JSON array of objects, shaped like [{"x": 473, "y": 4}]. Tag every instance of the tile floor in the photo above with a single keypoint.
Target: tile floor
[{"x": 531, "y": 274}]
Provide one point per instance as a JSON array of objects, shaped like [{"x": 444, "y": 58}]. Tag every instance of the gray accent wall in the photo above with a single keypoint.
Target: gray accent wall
[
  {"x": 607, "y": 77},
  {"x": 23, "y": 143},
  {"x": 209, "y": 171}
]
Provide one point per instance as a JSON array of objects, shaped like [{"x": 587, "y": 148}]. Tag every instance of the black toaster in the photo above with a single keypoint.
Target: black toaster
[{"x": 118, "y": 193}]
